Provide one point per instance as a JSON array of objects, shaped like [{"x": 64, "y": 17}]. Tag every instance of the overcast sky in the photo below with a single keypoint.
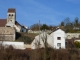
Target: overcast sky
[{"x": 51, "y": 12}]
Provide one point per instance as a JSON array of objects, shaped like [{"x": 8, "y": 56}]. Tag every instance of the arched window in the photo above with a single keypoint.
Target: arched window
[
  {"x": 12, "y": 14},
  {"x": 9, "y": 14}
]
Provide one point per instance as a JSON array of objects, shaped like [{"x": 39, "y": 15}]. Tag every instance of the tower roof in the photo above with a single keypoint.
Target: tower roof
[{"x": 11, "y": 10}]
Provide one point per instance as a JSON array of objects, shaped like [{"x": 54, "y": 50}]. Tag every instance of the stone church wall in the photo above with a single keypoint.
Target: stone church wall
[{"x": 7, "y": 34}]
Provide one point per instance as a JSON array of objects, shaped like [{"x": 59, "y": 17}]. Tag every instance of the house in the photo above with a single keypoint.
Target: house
[
  {"x": 56, "y": 39},
  {"x": 24, "y": 29},
  {"x": 39, "y": 41}
]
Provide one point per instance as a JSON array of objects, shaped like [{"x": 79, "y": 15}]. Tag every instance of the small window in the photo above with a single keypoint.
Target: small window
[
  {"x": 58, "y": 38},
  {"x": 10, "y": 20},
  {"x": 58, "y": 44},
  {"x": 8, "y": 26}
]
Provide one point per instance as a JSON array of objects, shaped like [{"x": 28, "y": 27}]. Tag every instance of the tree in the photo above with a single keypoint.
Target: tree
[
  {"x": 76, "y": 22},
  {"x": 68, "y": 25},
  {"x": 66, "y": 21},
  {"x": 62, "y": 23},
  {"x": 35, "y": 26},
  {"x": 44, "y": 27},
  {"x": 77, "y": 44}
]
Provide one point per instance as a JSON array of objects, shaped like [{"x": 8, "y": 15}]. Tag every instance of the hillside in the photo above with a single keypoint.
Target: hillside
[{"x": 27, "y": 38}]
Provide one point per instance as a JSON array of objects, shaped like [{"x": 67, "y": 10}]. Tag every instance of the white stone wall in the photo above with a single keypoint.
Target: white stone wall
[
  {"x": 15, "y": 45},
  {"x": 72, "y": 35},
  {"x": 30, "y": 31},
  {"x": 27, "y": 45}
]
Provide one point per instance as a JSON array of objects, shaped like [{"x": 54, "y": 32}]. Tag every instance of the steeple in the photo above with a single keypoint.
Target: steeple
[{"x": 11, "y": 15}]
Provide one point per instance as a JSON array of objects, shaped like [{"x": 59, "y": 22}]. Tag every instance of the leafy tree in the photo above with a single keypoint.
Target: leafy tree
[
  {"x": 44, "y": 27},
  {"x": 77, "y": 44}
]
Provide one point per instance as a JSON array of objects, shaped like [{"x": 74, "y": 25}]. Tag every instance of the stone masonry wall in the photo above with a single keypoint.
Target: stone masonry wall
[
  {"x": 7, "y": 33},
  {"x": 72, "y": 35}
]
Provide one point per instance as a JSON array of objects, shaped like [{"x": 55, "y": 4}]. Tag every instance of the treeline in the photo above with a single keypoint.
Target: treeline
[
  {"x": 41, "y": 27},
  {"x": 67, "y": 25},
  {"x": 71, "y": 26}
]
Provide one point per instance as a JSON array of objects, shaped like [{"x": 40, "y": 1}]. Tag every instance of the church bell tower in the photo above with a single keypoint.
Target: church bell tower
[{"x": 11, "y": 15}]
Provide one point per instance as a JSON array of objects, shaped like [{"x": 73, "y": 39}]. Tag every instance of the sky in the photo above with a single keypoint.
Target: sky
[{"x": 50, "y": 12}]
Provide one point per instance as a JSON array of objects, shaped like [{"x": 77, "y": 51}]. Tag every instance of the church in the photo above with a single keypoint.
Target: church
[
  {"x": 11, "y": 20},
  {"x": 9, "y": 26}
]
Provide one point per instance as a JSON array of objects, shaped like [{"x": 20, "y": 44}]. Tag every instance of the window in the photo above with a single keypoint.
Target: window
[
  {"x": 10, "y": 20},
  {"x": 58, "y": 44},
  {"x": 8, "y": 26},
  {"x": 12, "y": 14},
  {"x": 58, "y": 38}
]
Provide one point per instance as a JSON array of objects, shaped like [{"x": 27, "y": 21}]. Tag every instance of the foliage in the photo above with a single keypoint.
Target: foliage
[
  {"x": 35, "y": 26},
  {"x": 62, "y": 23},
  {"x": 77, "y": 44},
  {"x": 13, "y": 54},
  {"x": 76, "y": 22},
  {"x": 37, "y": 54},
  {"x": 25, "y": 37},
  {"x": 44, "y": 27},
  {"x": 71, "y": 26}
]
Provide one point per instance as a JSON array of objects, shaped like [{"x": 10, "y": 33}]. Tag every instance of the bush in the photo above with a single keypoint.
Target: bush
[
  {"x": 77, "y": 44},
  {"x": 39, "y": 54},
  {"x": 25, "y": 39},
  {"x": 13, "y": 54}
]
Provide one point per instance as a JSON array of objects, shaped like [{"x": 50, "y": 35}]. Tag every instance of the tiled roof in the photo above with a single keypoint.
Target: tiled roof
[
  {"x": 12, "y": 10},
  {"x": 3, "y": 22}
]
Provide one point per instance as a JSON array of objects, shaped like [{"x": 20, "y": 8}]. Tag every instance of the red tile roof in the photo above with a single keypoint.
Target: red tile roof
[
  {"x": 11, "y": 10},
  {"x": 3, "y": 22}
]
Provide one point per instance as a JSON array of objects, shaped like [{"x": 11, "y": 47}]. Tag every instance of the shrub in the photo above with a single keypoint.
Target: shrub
[
  {"x": 25, "y": 39},
  {"x": 77, "y": 44}
]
